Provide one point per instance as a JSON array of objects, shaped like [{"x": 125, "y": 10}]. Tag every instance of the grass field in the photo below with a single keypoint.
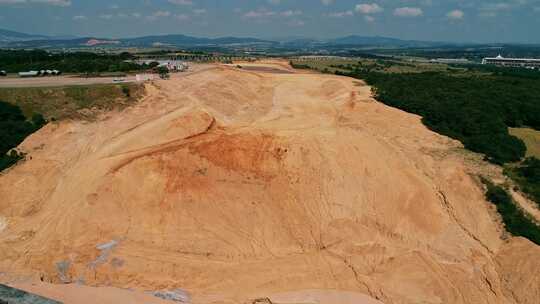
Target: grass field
[
  {"x": 531, "y": 138},
  {"x": 71, "y": 102},
  {"x": 387, "y": 66}
]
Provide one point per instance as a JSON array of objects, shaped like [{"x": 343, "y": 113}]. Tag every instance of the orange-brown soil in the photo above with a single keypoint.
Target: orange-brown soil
[{"x": 235, "y": 184}]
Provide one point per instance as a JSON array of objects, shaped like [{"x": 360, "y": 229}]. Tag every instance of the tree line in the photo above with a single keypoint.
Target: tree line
[
  {"x": 516, "y": 222},
  {"x": 14, "y": 61}
]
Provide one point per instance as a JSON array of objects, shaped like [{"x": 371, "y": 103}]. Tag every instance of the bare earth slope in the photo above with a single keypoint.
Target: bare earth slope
[{"x": 239, "y": 184}]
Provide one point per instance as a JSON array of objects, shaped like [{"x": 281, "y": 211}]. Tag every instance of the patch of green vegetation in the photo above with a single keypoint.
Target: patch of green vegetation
[
  {"x": 516, "y": 222},
  {"x": 531, "y": 138},
  {"x": 14, "y": 128},
  {"x": 67, "y": 102},
  {"x": 325, "y": 66},
  {"x": 527, "y": 176}
]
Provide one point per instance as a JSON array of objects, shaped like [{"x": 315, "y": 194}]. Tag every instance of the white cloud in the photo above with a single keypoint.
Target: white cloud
[
  {"x": 291, "y": 13},
  {"x": 106, "y": 16},
  {"x": 408, "y": 11},
  {"x": 54, "y": 2},
  {"x": 47, "y": 2},
  {"x": 182, "y": 17},
  {"x": 498, "y": 6},
  {"x": 296, "y": 23},
  {"x": 492, "y": 9},
  {"x": 79, "y": 18},
  {"x": 327, "y": 2},
  {"x": 181, "y": 2},
  {"x": 341, "y": 14},
  {"x": 259, "y": 13},
  {"x": 158, "y": 14},
  {"x": 455, "y": 14},
  {"x": 367, "y": 8}
]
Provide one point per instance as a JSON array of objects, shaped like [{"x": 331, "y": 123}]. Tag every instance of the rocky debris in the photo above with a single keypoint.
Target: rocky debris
[
  {"x": 176, "y": 295},
  {"x": 62, "y": 268},
  {"x": 105, "y": 251}
]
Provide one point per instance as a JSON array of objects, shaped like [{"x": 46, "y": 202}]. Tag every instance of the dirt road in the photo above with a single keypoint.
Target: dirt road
[
  {"x": 71, "y": 80},
  {"x": 59, "y": 81},
  {"x": 236, "y": 184}
]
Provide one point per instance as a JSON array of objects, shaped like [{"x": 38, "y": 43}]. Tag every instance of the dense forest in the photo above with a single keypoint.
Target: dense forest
[
  {"x": 14, "y": 61},
  {"x": 475, "y": 109},
  {"x": 14, "y": 128}
]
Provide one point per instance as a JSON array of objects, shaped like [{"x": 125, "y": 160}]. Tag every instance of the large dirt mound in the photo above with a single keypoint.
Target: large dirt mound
[{"x": 239, "y": 184}]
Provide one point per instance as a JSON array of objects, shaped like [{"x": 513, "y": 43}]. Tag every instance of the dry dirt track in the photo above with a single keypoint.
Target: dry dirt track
[
  {"x": 237, "y": 184},
  {"x": 58, "y": 81}
]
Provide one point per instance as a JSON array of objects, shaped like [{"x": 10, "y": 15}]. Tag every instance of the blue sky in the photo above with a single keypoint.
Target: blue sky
[{"x": 442, "y": 20}]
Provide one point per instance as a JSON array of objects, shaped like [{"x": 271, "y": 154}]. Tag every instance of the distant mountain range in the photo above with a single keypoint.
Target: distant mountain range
[
  {"x": 11, "y": 36},
  {"x": 12, "y": 39}
]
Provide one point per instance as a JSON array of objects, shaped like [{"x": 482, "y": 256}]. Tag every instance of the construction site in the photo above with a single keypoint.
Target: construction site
[{"x": 256, "y": 183}]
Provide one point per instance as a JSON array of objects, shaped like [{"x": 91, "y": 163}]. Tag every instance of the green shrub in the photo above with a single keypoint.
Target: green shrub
[
  {"x": 14, "y": 128},
  {"x": 126, "y": 91},
  {"x": 515, "y": 221},
  {"x": 527, "y": 176}
]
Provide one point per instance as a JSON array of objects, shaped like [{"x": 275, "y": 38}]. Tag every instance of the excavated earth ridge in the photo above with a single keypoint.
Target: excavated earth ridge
[{"x": 237, "y": 184}]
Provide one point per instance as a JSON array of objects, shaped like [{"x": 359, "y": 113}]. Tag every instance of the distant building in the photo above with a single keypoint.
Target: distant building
[
  {"x": 320, "y": 58},
  {"x": 513, "y": 62},
  {"x": 450, "y": 60},
  {"x": 144, "y": 77},
  {"x": 172, "y": 65}
]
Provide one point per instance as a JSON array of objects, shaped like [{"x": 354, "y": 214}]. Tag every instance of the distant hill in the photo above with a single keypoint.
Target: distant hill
[
  {"x": 146, "y": 41},
  {"x": 7, "y": 36},
  {"x": 183, "y": 40},
  {"x": 16, "y": 39},
  {"x": 63, "y": 43},
  {"x": 379, "y": 41}
]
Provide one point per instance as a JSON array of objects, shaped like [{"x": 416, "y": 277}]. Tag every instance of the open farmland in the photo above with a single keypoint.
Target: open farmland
[
  {"x": 375, "y": 65},
  {"x": 531, "y": 138}
]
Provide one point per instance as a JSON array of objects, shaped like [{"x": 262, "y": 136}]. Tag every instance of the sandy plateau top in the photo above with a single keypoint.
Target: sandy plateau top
[{"x": 241, "y": 183}]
